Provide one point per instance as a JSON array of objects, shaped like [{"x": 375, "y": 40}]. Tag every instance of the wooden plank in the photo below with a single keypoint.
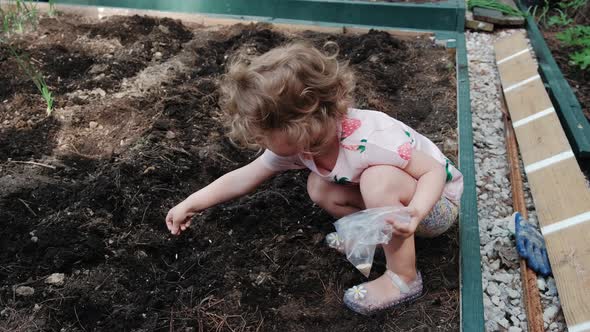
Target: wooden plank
[
  {"x": 530, "y": 291},
  {"x": 474, "y": 24},
  {"x": 558, "y": 187},
  {"x": 529, "y": 100},
  {"x": 542, "y": 139},
  {"x": 508, "y": 46},
  {"x": 496, "y": 17},
  {"x": 518, "y": 69},
  {"x": 559, "y": 192},
  {"x": 569, "y": 254}
]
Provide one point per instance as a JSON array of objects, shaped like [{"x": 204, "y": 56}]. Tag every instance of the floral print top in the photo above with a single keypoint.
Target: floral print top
[{"x": 369, "y": 138}]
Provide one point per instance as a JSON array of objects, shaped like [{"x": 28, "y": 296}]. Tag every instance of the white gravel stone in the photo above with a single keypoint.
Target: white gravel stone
[
  {"x": 493, "y": 289},
  {"x": 513, "y": 294},
  {"x": 550, "y": 313},
  {"x": 514, "y": 329}
]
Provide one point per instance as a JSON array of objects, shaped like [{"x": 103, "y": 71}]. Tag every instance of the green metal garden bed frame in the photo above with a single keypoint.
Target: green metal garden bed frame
[{"x": 446, "y": 19}]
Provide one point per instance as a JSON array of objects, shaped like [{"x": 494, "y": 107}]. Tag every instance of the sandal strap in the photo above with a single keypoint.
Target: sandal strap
[{"x": 397, "y": 281}]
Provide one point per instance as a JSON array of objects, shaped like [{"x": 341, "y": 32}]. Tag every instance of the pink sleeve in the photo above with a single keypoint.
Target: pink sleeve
[
  {"x": 278, "y": 163},
  {"x": 389, "y": 147}
]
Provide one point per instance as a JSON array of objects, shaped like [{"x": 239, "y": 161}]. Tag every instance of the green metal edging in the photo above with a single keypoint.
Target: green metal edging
[
  {"x": 440, "y": 16},
  {"x": 575, "y": 124},
  {"x": 387, "y": 16},
  {"x": 472, "y": 318}
]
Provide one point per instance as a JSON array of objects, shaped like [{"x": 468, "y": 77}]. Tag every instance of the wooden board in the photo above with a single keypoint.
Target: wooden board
[
  {"x": 497, "y": 17},
  {"x": 558, "y": 187},
  {"x": 474, "y": 24}
]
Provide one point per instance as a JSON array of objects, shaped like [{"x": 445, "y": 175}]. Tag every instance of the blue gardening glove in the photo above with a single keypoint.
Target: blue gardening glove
[{"x": 531, "y": 245}]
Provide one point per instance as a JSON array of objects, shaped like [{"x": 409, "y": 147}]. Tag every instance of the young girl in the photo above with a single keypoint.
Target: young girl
[{"x": 294, "y": 102}]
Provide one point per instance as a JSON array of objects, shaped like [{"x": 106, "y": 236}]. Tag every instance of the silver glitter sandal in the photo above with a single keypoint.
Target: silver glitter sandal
[{"x": 360, "y": 301}]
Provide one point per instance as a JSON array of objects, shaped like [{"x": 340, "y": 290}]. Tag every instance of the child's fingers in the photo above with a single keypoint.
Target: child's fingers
[
  {"x": 169, "y": 221},
  {"x": 176, "y": 227},
  {"x": 401, "y": 227}
]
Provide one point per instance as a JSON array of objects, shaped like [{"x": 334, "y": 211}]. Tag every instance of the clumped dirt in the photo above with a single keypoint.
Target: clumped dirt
[{"x": 136, "y": 129}]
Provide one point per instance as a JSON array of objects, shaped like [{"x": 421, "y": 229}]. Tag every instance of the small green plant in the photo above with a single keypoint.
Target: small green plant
[
  {"x": 17, "y": 15},
  {"x": 579, "y": 37},
  {"x": 52, "y": 11},
  {"x": 540, "y": 12},
  {"x": 25, "y": 65},
  {"x": 581, "y": 59},
  {"x": 561, "y": 19},
  {"x": 572, "y": 4}
]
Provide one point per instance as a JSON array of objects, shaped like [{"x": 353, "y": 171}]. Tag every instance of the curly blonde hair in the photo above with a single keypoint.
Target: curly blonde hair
[{"x": 295, "y": 89}]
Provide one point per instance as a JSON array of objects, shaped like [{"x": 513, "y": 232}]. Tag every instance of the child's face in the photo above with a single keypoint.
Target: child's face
[{"x": 279, "y": 143}]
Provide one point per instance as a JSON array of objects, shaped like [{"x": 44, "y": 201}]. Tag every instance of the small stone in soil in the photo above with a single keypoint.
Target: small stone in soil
[
  {"x": 56, "y": 279},
  {"x": 25, "y": 291}
]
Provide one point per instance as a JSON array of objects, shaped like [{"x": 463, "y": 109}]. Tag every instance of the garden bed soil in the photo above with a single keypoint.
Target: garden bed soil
[
  {"x": 136, "y": 129},
  {"x": 577, "y": 78}
]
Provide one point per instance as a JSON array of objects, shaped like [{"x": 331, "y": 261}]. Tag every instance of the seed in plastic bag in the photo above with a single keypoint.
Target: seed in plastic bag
[{"x": 365, "y": 269}]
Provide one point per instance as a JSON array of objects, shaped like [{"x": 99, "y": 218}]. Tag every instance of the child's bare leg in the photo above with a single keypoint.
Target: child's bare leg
[
  {"x": 336, "y": 199},
  {"x": 389, "y": 186}
]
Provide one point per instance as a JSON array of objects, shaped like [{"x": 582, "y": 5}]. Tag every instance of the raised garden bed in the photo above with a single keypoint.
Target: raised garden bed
[
  {"x": 573, "y": 119},
  {"x": 136, "y": 129}
]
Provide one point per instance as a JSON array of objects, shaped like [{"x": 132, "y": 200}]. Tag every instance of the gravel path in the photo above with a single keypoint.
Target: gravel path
[{"x": 504, "y": 307}]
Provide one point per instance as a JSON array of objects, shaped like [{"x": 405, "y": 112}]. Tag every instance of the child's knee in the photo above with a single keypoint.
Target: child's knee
[
  {"x": 386, "y": 185},
  {"x": 316, "y": 189}
]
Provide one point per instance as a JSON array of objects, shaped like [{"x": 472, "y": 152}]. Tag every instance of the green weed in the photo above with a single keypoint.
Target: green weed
[
  {"x": 579, "y": 37},
  {"x": 25, "y": 65},
  {"x": 540, "y": 12},
  {"x": 561, "y": 19},
  {"x": 52, "y": 10},
  {"x": 17, "y": 15},
  {"x": 572, "y": 4}
]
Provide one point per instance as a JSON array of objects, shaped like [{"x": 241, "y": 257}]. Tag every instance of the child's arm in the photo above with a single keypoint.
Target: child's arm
[
  {"x": 231, "y": 185},
  {"x": 431, "y": 178}
]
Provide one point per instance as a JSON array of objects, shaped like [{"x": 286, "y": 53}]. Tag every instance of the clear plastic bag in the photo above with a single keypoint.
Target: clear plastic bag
[{"x": 362, "y": 231}]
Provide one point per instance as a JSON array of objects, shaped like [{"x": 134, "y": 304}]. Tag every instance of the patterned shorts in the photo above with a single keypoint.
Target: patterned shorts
[{"x": 442, "y": 216}]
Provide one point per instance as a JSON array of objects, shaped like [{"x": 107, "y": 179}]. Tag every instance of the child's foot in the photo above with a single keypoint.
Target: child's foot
[
  {"x": 334, "y": 241},
  {"x": 385, "y": 292}
]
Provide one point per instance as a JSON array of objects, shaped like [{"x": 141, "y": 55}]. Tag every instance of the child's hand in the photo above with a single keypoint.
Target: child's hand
[
  {"x": 406, "y": 229},
  {"x": 179, "y": 218}
]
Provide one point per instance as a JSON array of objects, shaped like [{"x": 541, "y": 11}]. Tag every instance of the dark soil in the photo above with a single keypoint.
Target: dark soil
[
  {"x": 85, "y": 192},
  {"x": 577, "y": 78}
]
